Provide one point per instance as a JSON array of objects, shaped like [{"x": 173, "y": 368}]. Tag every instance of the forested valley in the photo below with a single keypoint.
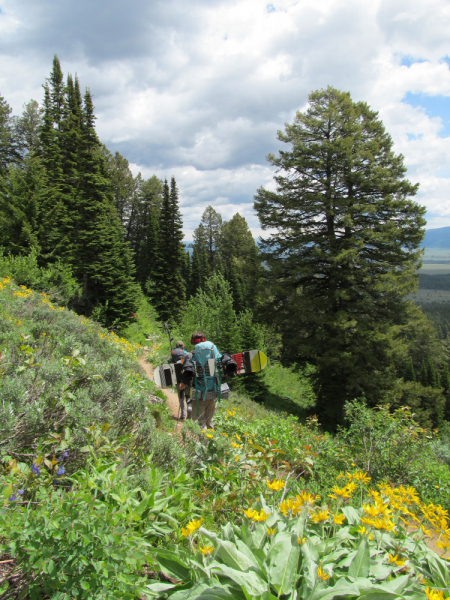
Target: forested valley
[{"x": 356, "y": 393}]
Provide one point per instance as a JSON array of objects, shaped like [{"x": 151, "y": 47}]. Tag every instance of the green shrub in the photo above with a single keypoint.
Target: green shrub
[{"x": 56, "y": 280}]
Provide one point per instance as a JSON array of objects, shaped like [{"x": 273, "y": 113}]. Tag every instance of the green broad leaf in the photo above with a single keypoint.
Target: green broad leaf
[
  {"x": 250, "y": 581},
  {"x": 439, "y": 570},
  {"x": 7, "y": 491},
  {"x": 380, "y": 571},
  {"x": 172, "y": 564},
  {"x": 375, "y": 594},
  {"x": 232, "y": 557},
  {"x": 396, "y": 585},
  {"x": 228, "y": 533},
  {"x": 242, "y": 547},
  {"x": 360, "y": 565},
  {"x": 159, "y": 588},
  {"x": 351, "y": 514},
  {"x": 259, "y": 535},
  {"x": 207, "y": 591},
  {"x": 282, "y": 566},
  {"x": 342, "y": 588},
  {"x": 309, "y": 552}
]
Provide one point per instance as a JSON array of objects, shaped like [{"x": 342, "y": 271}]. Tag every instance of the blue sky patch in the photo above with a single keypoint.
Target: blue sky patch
[
  {"x": 435, "y": 106},
  {"x": 408, "y": 60},
  {"x": 413, "y": 136},
  {"x": 443, "y": 172},
  {"x": 446, "y": 59},
  {"x": 270, "y": 8}
]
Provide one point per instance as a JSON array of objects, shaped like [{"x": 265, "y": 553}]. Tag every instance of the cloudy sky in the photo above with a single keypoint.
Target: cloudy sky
[{"x": 199, "y": 88}]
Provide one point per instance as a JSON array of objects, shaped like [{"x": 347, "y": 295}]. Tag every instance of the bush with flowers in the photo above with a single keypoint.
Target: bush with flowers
[
  {"x": 297, "y": 545},
  {"x": 61, "y": 370}
]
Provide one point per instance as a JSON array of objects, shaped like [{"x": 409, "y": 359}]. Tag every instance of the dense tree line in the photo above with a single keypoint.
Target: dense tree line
[
  {"x": 330, "y": 284},
  {"x": 66, "y": 197},
  {"x": 56, "y": 197}
]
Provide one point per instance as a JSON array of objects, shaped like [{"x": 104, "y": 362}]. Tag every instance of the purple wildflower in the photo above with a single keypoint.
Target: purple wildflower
[
  {"x": 60, "y": 471},
  {"x": 12, "y": 498},
  {"x": 21, "y": 492},
  {"x": 35, "y": 469}
]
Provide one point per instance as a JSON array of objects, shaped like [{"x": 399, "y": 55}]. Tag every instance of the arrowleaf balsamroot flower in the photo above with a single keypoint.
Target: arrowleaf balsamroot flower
[
  {"x": 206, "y": 550},
  {"x": 261, "y": 516},
  {"x": 321, "y": 515},
  {"x": 191, "y": 527},
  {"x": 434, "y": 594},
  {"x": 322, "y": 574},
  {"x": 250, "y": 512},
  {"x": 276, "y": 485},
  {"x": 271, "y": 531},
  {"x": 341, "y": 492},
  {"x": 338, "y": 519},
  {"x": 395, "y": 559}
]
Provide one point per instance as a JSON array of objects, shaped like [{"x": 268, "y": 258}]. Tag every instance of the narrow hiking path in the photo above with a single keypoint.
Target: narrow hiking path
[{"x": 172, "y": 397}]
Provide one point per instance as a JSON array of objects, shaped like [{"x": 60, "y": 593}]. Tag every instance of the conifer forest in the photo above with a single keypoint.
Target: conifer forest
[
  {"x": 328, "y": 289},
  {"x": 327, "y": 474}
]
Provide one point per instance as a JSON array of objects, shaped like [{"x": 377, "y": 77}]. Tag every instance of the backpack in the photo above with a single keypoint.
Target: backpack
[
  {"x": 208, "y": 379},
  {"x": 177, "y": 355}
]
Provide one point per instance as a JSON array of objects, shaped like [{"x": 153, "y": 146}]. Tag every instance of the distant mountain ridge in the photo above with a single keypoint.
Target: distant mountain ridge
[{"x": 437, "y": 238}]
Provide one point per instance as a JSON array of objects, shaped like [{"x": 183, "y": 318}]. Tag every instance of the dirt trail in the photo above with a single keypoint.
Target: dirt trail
[{"x": 172, "y": 397}]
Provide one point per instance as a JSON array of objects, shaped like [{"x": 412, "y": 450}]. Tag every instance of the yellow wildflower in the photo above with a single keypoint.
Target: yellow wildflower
[
  {"x": 261, "y": 516},
  {"x": 434, "y": 594},
  {"x": 276, "y": 485},
  {"x": 365, "y": 532},
  {"x": 233, "y": 445},
  {"x": 191, "y": 527},
  {"x": 301, "y": 541},
  {"x": 362, "y": 477},
  {"x": 341, "y": 492},
  {"x": 211, "y": 437},
  {"x": 206, "y": 550},
  {"x": 238, "y": 438},
  {"x": 271, "y": 531},
  {"x": 351, "y": 486},
  {"x": 250, "y": 512},
  {"x": 322, "y": 515},
  {"x": 236, "y": 458},
  {"x": 395, "y": 559},
  {"x": 322, "y": 574},
  {"x": 338, "y": 519},
  {"x": 306, "y": 498}
]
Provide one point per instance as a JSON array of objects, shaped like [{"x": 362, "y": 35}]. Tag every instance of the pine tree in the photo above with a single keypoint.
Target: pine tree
[
  {"x": 445, "y": 379},
  {"x": 433, "y": 380},
  {"x": 211, "y": 227},
  {"x": 423, "y": 377},
  {"x": 9, "y": 148},
  {"x": 171, "y": 286},
  {"x": 232, "y": 276},
  {"x": 20, "y": 206},
  {"x": 345, "y": 248},
  {"x": 409, "y": 372},
  {"x": 103, "y": 264},
  {"x": 55, "y": 233},
  {"x": 29, "y": 127}
]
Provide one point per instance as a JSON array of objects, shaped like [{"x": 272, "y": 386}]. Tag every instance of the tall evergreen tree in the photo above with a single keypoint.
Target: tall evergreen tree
[
  {"x": 345, "y": 249},
  {"x": 104, "y": 264},
  {"x": 211, "y": 227},
  {"x": 171, "y": 286},
  {"x": 409, "y": 372},
  {"x": 9, "y": 148}
]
